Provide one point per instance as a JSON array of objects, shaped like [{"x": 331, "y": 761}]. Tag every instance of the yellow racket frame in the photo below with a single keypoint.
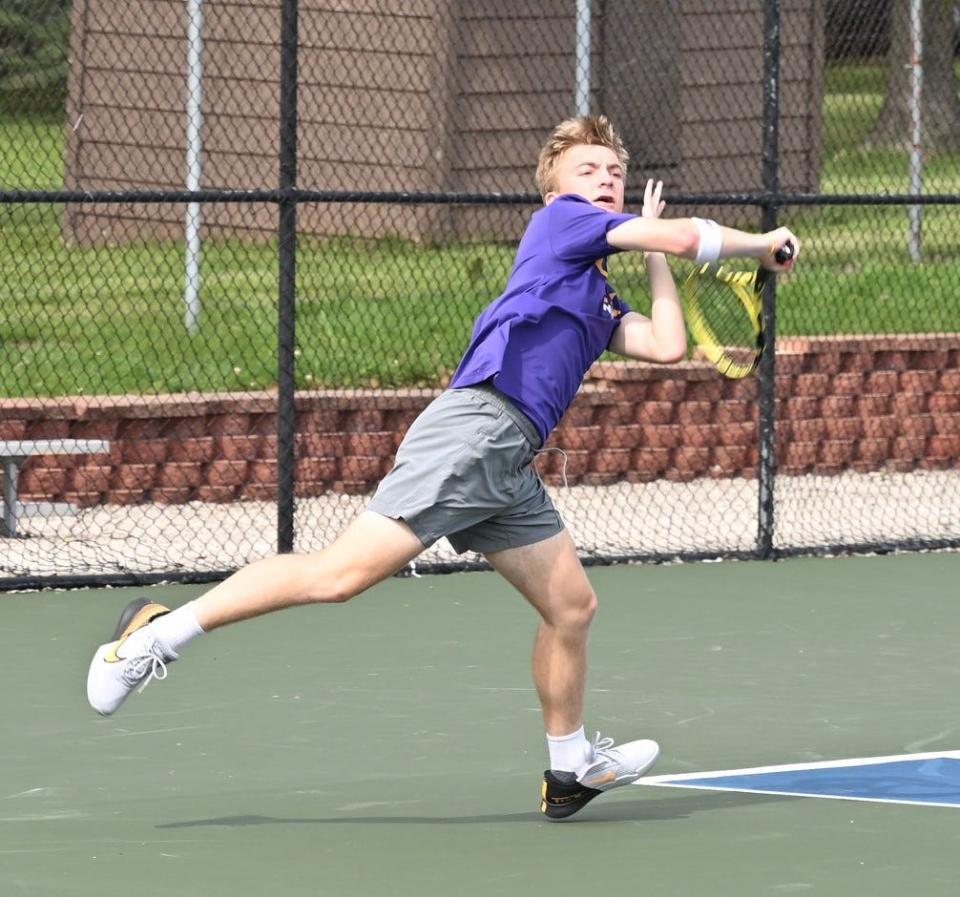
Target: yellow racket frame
[{"x": 747, "y": 287}]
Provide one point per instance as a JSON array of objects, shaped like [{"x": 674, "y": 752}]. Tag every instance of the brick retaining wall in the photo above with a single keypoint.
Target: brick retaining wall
[{"x": 845, "y": 403}]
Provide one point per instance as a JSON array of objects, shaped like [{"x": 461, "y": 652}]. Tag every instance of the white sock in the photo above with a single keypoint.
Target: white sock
[
  {"x": 568, "y": 752},
  {"x": 177, "y": 628}
]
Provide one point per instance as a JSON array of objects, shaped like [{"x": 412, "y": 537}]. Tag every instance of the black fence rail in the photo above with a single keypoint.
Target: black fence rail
[{"x": 246, "y": 244}]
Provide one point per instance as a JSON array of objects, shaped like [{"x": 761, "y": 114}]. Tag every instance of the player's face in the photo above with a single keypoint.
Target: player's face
[{"x": 593, "y": 172}]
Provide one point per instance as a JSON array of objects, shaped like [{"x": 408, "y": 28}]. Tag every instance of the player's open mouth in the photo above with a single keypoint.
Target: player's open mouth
[{"x": 605, "y": 198}]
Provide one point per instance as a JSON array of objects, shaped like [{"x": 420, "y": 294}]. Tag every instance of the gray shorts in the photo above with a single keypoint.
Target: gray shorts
[{"x": 465, "y": 471}]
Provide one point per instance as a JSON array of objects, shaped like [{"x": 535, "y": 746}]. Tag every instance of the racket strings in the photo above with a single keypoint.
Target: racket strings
[{"x": 723, "y": 314}]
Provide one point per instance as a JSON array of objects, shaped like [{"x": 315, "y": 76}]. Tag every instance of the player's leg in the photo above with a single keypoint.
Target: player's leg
[
  {"x": 416, "y": 503},
  {"x": 550, "y": 576},
  {"x": 370, "y": 549},
  {"x": 148, "y": 636}
]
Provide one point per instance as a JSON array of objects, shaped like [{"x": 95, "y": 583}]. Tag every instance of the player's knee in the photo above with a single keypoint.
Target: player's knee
[
  {"x": 326, "y": 585},
  {"x": 337, "y": 591},
  {"x": 578, "y": 611},
  {"x": 590, "y": 608}
]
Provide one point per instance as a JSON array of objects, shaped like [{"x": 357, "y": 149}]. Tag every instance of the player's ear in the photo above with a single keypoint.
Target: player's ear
[{"x": 550, "y": 197}]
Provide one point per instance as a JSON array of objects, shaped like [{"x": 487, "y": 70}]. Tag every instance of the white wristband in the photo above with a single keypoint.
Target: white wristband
[{"x": 710, "y": 240}]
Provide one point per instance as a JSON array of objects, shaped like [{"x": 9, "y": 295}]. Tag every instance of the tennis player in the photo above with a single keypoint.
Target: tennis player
[{"x": 465, "y": 468}]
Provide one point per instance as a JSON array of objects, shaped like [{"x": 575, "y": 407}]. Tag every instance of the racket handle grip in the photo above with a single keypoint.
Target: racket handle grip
[{"x": 784, "y": 253}]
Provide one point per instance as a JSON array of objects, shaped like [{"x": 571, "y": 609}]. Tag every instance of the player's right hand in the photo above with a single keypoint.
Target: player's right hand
[{"x": 776, "y": 240}]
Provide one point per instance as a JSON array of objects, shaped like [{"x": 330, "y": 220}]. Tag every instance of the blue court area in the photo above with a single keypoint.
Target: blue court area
[{"x": 932, "y": 779}]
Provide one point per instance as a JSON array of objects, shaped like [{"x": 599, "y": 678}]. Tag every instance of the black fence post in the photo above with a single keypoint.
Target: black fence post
[
  {"x": 286, "y": 362},
  {"x": 771, "y": 185}
]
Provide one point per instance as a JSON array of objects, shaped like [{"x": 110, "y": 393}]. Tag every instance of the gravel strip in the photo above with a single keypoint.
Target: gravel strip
[{"x": 658, "y": 518}]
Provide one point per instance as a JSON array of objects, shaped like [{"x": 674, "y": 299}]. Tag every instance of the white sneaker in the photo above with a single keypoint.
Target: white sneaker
[
  {"x": 134, "y": 657},
  {"x": 607, "y": 766}
]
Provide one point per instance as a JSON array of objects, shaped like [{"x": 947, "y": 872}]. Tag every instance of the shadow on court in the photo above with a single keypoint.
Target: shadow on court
[{"x": 680, "y": 807}]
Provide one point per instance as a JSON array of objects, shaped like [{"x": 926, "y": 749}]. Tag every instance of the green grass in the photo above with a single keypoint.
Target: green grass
[
  {"x": 854, "y": 95},
  {"x": 109, "y": 319},
  {"x": 31, "y": 153}
]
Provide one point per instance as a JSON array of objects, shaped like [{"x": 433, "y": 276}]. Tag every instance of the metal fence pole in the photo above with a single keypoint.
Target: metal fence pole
[
  {"x": 767, "y": 433},
  {"x": 191, "y": 299},
  {"x": 916, "y": 124},
  {"x": 286, "y": 423},
  {"x": 581, "y": 101}
]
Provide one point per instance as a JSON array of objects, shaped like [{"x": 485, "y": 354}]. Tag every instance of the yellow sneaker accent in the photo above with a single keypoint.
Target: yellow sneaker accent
[
  {"x": 596, "y": 782},
  {"x": 150, "y": 611},
  {"x": 142, "y": 617}
]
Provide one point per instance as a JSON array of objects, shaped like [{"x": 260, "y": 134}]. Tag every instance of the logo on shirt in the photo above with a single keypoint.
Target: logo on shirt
[
  {"x": 611, "y": 305},
  {"x": 611, "y": 301}
]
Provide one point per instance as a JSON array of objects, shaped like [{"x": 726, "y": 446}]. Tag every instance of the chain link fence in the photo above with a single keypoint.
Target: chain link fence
[{"x": 245, "y": 243}]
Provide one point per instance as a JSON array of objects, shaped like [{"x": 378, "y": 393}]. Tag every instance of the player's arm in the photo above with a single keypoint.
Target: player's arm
[
  {"x": 662, "y": 337},
  {"x": 702, "y": 241}
]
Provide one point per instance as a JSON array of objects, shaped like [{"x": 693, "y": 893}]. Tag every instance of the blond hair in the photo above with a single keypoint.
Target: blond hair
[{"x": 590, "y": 130}]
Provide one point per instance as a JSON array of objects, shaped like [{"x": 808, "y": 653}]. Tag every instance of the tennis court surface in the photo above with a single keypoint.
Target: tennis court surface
[{"x": 393, "y": 746}]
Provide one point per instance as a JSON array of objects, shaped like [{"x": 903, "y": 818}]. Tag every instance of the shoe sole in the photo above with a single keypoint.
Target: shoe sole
[{"x": 134, "y": 618}]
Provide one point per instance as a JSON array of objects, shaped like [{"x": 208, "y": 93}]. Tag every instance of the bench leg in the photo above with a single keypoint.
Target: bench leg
[{"x": 11, "y": 473}]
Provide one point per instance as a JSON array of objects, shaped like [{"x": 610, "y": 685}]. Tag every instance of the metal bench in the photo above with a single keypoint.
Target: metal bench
[{"x": 13, "y": 455}]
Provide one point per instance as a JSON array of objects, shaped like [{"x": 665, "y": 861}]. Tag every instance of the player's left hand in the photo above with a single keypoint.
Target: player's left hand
[{"x": 653, "y": 205}]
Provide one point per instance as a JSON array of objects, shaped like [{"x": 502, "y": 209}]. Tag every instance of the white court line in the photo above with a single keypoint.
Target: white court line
[
  {"x": 668, "y": 780},
  {"x": 685, "y": 780}
]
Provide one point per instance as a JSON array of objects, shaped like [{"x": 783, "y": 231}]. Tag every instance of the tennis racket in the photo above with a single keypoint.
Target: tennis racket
[{"x": 723, "y": 308}]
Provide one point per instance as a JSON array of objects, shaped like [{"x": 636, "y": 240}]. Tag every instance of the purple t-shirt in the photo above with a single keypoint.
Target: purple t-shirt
[{"x": 556, "y": 316}]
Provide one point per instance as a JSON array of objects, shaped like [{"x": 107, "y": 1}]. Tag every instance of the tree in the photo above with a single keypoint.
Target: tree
[
  {"x": 940, "y": 105},
  {"x": 34, "y": 46}
]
